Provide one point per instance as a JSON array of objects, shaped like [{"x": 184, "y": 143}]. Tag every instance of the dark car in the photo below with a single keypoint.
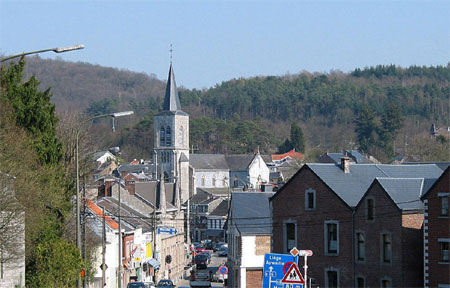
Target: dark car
[
  {"x": 207, "y": 255},
  {"x": 223, "y": 252},
  {"x": 209, "y": 245},
  {"x": 137, "y": 285},
  {"x": 217, "y": 246},
  {"x": 201, "y": 261},
  {"x": 166, "y": 283}
]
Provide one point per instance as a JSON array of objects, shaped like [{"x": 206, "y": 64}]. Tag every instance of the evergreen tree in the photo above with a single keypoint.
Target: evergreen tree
[
  {"x": 391, "y": 122},
  {"x": 365, "y": 128},
  {"x": 297, "y": 139},
  {"x": 33, "y": 111}
]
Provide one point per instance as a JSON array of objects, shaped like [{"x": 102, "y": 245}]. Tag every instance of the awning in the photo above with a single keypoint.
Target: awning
[{"x": 154, "y": 263}]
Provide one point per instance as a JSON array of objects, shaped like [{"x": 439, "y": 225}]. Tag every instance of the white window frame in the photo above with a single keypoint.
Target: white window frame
[
  {"x": 366, "y": 201},
  {"x": 443, "y": 240},
  {"x": 385, "y": 279},
  {"x": 307, "y": 192},
  {"x": 331, "y": 269},
  {"x": 325, "y": 238},
  {"x": 289, "y": 221},
  {"x": 357, "y": 246},
  {"x": 362, "y": 277},
  {"x": 382, "y": 249},
  {"x": 441, "y": 197}
]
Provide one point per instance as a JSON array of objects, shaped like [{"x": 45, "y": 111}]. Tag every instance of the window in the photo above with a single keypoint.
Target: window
[
  {"x": 162, "y": 136},
  {"x": 444, "y": 205},
  {"x": 290, "y": 235},
  {"x": 214, "y": 181},
  {"x": 386, "y": 248},
  {"x": 370, "y": 209},
  {"x": 331, "y": 237},
  {"x": 386, "y": 283},
  {"x": 310, "y": 199},
  {"x": 168, "y": 136},
  {"x": 360, "y": 247},
  {"x": 444, "y": 245},
  {"x": 331, "y": 278},
  {"x": 203, "y": 181},
  {"x": 360, "y": 282},
  {"x": 236, "y": 181}
]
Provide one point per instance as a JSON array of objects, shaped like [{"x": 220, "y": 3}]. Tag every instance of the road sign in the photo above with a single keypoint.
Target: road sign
[
  {"x": 306, "y": 253},
  {"x": 223, "y": 270},
  {"x": 273, "y": 269},
  {"x": 167, "y": 230},
  {"x": 293, "y": 276}
]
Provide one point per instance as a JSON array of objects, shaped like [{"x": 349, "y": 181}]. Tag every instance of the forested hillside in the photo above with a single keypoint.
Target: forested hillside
[{"x": 239, "y": 115}]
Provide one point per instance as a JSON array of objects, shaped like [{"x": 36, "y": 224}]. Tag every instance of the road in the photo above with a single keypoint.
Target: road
[{"x": 216, "y": 261}]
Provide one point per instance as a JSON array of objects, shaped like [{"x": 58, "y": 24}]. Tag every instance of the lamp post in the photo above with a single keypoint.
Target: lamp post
[
  {"x": 56, "y": 50},
  {"x": 78, "y": 227}
]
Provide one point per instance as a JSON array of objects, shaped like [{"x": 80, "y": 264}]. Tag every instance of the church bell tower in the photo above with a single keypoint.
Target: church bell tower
[{"x": 171, "y": 140}]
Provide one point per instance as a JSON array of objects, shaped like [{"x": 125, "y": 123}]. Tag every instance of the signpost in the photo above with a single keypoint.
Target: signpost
[
  {"x": 167, "y": 230},
  {"x": 223, "y": 270},
  {"x": 281, "y": 270},
  {"x": 273, "y": 269}
]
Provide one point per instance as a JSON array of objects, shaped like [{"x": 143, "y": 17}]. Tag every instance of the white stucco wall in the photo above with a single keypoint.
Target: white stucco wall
[
  {"x": 258, "y": 170},
  {"x": 208, "y": 175}
]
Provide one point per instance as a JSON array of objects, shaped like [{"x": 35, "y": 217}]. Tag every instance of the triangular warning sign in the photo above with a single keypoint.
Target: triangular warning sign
[{"x": 293, "y": 275}]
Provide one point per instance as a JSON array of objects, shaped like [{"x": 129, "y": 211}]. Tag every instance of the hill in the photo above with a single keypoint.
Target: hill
[{"x": 239, "y": 115}]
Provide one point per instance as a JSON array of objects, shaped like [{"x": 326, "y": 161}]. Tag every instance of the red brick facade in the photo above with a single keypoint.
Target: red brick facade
[{"x": 436, "y": 227}]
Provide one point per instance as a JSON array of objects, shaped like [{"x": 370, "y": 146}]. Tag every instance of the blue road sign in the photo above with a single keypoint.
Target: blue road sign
[
  {"x": 275, "y": 267},
  {"x": 167, "y": 230},
  {"x": 223, "y": 270}
]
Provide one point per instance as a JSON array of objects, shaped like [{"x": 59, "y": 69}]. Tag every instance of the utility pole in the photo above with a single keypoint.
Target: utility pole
[
  {"x": 103, "y": 247},
  {"x": 119, "y": 268},
  {"x": 84, "y": 228}
]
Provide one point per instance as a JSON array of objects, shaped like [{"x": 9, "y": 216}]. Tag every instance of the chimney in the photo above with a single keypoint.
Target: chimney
[{"x": 345, "y": 164}]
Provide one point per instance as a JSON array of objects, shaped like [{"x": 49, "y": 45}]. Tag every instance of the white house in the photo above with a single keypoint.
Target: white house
[{"x": 249, "y": 228}]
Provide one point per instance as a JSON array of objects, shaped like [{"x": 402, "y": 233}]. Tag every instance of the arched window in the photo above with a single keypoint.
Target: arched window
[
  {"x": 162, "y": 136},
  {"x": 203, "y": 181},
  {"x": 168, "y": 136},
  {"x": 214, "y": 181}
]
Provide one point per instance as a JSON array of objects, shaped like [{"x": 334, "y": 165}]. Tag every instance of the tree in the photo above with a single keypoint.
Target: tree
[
  {"x": 286, "y": 146},
  {"x": 32, "y": 110},
  {"x": 297, "y": 139},
  {"x": 391, "y": 122},
  {"x": 365, "y": 128}
]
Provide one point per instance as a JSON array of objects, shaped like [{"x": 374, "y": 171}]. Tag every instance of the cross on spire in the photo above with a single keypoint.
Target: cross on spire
[{"x": 171, "y": 50}]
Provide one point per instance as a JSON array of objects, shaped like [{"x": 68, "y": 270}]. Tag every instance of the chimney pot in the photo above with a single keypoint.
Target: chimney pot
[{"x": 345, "y": 164}]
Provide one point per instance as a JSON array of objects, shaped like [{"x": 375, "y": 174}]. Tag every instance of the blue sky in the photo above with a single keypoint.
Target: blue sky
[{"x": 216, "y": 41}]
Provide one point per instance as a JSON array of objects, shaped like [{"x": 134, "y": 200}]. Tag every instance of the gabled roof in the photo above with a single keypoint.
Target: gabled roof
[
  {"x": 136, "y": 168},
  {"x": 239, "y": 162},
  {"x": 293, "y": 154},
  {"x": 221, "y": 209},
  {"x": 406, "y": 192},
  {"x": 98, "y": 211},
  {"x": 250, "y": 212},
  {"x": 350, "y": 187},
  {"x": 208, "y": 161},
  {"x": 446, "y": 173},
  {"x": 215, "y": 191}
]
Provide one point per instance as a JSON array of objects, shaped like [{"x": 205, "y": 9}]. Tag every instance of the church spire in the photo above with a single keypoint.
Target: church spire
[{"x": 171, "y": 100}]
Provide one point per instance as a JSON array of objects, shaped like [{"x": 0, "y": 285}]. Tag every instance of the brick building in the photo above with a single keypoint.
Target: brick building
[
  {"x": 436, "y": 233},
  {"x": 317, "y": 210}
]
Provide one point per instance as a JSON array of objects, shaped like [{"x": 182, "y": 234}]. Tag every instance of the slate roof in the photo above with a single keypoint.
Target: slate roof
[
  {"x": 250, "y": 212},
  {"x": 221, "y": 209},
  {"x": 208, "y": 161},
  {"x": 442, "y": 165},
  {"x": 239, "y": 162},
  {"x": 406, "y": 192},
  {"x": 350, "y": 187},
  {"x": 138, "y": 168},
  {"x": 214, "y": 191},
  {"x": 171, "y": 100}
]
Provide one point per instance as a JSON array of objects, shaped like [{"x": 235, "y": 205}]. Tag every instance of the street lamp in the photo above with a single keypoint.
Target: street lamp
[
  {"x": 56, "y": 50},
  {"x": 78, "y": 228}
]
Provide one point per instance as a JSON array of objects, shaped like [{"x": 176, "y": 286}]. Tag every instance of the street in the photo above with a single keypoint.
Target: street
[{"x": 213, "y": 266}]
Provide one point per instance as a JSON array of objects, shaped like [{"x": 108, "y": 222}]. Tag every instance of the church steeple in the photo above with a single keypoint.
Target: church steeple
[{"x": 171, "y": 100}]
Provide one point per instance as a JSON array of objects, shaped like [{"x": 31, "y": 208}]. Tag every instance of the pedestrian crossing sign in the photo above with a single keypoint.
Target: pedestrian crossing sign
[{"x": 293, "y": 276}]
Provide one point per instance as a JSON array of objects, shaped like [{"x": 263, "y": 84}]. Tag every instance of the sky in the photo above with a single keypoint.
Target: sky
[{"x": 216, "y": 41}]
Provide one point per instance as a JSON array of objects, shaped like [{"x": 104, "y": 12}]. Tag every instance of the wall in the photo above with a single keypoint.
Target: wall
[{"x": 289, "y": 205}]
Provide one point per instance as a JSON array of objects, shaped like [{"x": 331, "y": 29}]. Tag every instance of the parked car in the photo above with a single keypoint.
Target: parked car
[
  {"x": 208, "y": 255},
  {"x": 223, "y": 252},
  {"x": 217, "y": 246},
  {"x": 201, "y": 261},
  {"x": 199, "y": 249},
  {"x": 166, "y": 283},
  {"x": 137, "y": 285},
  {"x": 149, "y": 284},
  {"x": 209, "y": 245},
  {"x": 218, "y": 277}
]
